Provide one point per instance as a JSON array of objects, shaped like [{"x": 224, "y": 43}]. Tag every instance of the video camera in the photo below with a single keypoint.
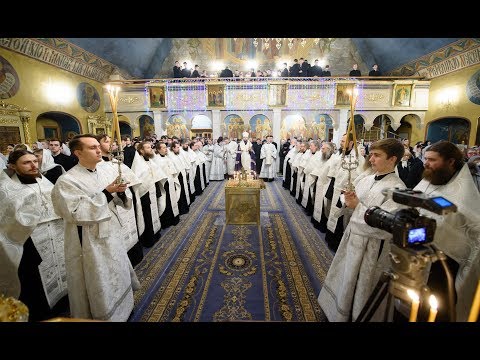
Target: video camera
[
  {"x": 408, "y": 227},
  {"x": 410, "y": 259}
]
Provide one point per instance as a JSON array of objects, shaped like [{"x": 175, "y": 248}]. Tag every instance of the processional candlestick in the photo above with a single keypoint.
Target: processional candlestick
[
  {"x": 113, "y": 96},
  {"x": 350, "y": 164}
]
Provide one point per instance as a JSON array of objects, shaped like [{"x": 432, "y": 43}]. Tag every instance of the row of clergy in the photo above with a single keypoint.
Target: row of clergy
[
  {"x": 82, "y": 235},
  {"x": 316, "y": 178}
]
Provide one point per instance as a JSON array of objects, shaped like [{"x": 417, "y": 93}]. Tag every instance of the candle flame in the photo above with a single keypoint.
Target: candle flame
[
  {"x": 433, "y": 302},
  {"x": 413, "y": 295}
]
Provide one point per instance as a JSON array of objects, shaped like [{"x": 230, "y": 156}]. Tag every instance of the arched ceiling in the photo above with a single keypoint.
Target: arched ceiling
[{"x": 143, "y": 57}]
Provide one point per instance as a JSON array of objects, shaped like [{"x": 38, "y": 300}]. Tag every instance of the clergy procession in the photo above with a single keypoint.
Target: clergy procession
[{"x": 75, "y": 227}]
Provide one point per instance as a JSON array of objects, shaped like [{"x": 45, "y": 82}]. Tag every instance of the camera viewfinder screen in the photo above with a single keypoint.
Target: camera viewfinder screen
[
  {"x": 416, "y": 236},
  {"x": 442, "y": 201}
]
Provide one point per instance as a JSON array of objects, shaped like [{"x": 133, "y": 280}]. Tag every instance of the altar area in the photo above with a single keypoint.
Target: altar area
[{"x": 242, "y": 199}]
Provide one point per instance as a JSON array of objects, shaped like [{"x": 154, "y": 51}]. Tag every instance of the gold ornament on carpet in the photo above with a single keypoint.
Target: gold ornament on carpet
[{"x": 350, "y": 164}]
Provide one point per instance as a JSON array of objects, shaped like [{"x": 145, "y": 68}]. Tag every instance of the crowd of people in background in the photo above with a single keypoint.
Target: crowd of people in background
[
  {"x": 87, "y": 212},
  {"x": 299, "y": 68}
]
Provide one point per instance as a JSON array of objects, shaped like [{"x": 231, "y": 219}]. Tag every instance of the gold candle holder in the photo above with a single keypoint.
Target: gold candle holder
[
  {"x": 12, "y": 310},
  {"x": 350, "y": 164},
  {"x": 113, "y": 91}
]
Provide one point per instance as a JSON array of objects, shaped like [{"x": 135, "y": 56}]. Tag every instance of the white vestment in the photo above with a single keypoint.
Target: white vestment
[
  {"x": 268, "y": 153},
  {"x": 27, "y": 211},
  {"x": 207, "y": 149},
  {"x": 231, "y": 151},
  {"x": 180, "y": 167},
  {"x": 315, "y": 162},
  {"x": 168, "y": 167},
  {"x": 127, "y": 217},
  {"x": 288, "y": 160},
  {"x": 358, "y": 262},
  {"x": 341, "y": 179},
  {"x": 245, "y": 155},
  {"x": 294, "y": 164},
  {"x": 302, "y": 163},
  {"x": 217, "y": 171},
  {"x": 458, "y": 234},
  {"x": 100, "y": 276},
  {"x": 321, "y": 188},
  {"x": 201, "y": 159}
]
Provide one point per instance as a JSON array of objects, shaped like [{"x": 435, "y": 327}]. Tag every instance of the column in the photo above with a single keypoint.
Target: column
[
  {"x": 157, "y": 120},
  {"x": 216, "y": 124},
  {"x": 341, "y": 126},
  {"x": 277, "y": 121}
]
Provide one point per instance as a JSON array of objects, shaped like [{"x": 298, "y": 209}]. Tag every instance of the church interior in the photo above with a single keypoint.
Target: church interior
[{"x": 246, "y": 244}]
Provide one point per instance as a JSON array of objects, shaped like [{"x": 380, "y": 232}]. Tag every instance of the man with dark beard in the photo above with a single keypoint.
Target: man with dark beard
[{"x": 457, "y": 234}]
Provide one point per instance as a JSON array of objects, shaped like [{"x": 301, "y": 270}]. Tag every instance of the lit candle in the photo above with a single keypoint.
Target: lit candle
[
  {"x": 415, "y": 303},
  {"x": 473, "y": 316},
  {"x": 433, "y": 308}
]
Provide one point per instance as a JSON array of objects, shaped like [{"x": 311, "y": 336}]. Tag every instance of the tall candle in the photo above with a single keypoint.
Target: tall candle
[
  {"x": 433, "y": 308},
  {"x": 415, "y": 304},
  {"x": 473, "y": 316}
]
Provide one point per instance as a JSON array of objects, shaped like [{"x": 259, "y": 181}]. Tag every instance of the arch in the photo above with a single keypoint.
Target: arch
[
  {"x": 147, "y": 126},
  {"x": 293, "y": 126},
  {"x": 322, "y": 127},
  {"x": 201, "y": 122},
  {"x": 404, "y": 131},
  {"x": 453, "y": 129},
  {"x": 177, "y": 126},
  {"x": 233, "y": 126},
  {"x": 260, "y": 126},
  {"x": 125, "y": 128},
  {"x": 57, "y": 124}
]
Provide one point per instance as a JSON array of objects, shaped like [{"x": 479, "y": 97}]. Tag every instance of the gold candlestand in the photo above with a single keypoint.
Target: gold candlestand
[{"x": 117, "y": 158}]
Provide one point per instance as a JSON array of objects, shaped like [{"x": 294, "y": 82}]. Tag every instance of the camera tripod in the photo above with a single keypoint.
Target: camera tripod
[{"x": 409, "y": 271}]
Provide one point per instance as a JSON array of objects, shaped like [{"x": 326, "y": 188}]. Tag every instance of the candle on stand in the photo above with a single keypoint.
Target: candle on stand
[
  {"x": 473, "y": 316},
  {"x": 415, "y": 304},
  {"x": 433, "y": 308}
]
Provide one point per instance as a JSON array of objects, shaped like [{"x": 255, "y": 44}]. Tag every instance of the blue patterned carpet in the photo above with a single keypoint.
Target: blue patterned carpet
[{"x": 204, "y": 270}]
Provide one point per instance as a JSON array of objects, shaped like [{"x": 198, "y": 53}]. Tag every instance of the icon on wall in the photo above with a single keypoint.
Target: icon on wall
[
  {"x": 9, "y": 82},
  {"x": 216, "y": 95},
  {"x": 402, "y": 94},
  {"x": 88, "y": 97},
  {"x": 157, "y": 97},
  {"x": 343, "y": 93}
]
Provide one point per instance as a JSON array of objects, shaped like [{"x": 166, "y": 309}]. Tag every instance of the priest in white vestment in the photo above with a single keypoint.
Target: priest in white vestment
[
  {"x": 150, "y": 190},
  {"x": 207, "y": 149},
  {"x": 308, "y": 189},
  {"x": 339, "y": 215},
  {"x": 363, "y": 254},
  {"x": 180, "y": 167},
  {"x": 268, "y": 153},
  {"x": 321, "y": 205},
  {"x": 100, "y": 276},
  {"x": 458, "y": 233},
  {"x": 31, "y": 240},
  {"x": 294, "y": 165},
  {"x": 169, "y": 203},
  {"x": 231, "y": 148},
  {"x": 217, "y": 171},
  {"x": 132, "y": 218}
]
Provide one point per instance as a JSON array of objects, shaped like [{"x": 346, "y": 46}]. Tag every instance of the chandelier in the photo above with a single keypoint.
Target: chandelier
[{"x": 279, "y": 42}]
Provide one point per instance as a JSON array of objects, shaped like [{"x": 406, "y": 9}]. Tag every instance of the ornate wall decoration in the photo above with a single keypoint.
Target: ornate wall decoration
[
  {"x": 473, "y": 88},
  {"x": 129, "y": 100},
  {"x": 9, "y": 81}
]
